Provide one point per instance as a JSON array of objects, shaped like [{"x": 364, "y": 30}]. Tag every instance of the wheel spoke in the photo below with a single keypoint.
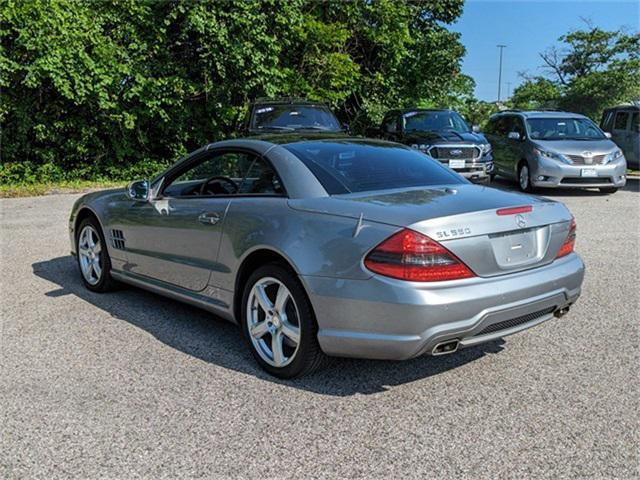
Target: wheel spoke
[
  {"x": 83, "y": 250},
  {"x": 291, "y": 332},
  {"x": 97, "y": 248},
  {"x": 259, "y": 329},
  {"x": 97, "y": 269},
  {"x": 281, "y": 299},
  {"x": 276, "y": 349},
  {"x": 263, "y": 300}
]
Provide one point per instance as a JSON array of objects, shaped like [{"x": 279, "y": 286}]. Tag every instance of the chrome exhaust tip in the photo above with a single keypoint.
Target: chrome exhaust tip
[
  {"x": 444, "y": 348},
  {"x": 561, "y": 312}
]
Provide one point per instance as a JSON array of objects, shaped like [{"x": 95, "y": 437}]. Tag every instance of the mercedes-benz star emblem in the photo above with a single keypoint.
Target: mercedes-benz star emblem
[{"x": 521, "y": 221}]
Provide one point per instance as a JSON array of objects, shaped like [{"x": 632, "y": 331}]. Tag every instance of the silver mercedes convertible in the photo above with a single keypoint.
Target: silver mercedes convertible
[{"x": 323, "y": 247}]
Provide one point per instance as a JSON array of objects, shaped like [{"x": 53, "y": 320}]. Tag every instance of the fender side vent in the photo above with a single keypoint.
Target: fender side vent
[{"x": 117, "y": 239}]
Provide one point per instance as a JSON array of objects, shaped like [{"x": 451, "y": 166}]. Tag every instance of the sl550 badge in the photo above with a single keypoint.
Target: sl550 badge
[{"x": 453, "y": 233}]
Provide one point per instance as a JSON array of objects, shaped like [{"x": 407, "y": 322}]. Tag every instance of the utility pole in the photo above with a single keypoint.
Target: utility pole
[{"x": 501, "y": 47}]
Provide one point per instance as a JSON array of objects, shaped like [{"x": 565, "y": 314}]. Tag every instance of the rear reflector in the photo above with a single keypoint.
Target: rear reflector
[
  {"x": 515, "y": 210},
  {"x": 569, "y": 244},
  {"x": 409, "y": 255}
]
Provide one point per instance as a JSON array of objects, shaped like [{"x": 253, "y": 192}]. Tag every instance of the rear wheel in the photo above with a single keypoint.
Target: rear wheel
[
  {"x": 279, "y": 324},
  {"x": 608, "y": 190},
  {"x": 524, "y": 177},
  {"x": 93, "y": 258}
]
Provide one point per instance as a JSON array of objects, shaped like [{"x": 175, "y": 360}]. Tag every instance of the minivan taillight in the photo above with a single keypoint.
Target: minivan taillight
[
  {"x": 409, "y": 255},
  {"x": 570, "y": 242}
]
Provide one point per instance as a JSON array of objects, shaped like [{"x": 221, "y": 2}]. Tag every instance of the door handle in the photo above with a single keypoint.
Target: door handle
[{"x": 209, "y": 218}]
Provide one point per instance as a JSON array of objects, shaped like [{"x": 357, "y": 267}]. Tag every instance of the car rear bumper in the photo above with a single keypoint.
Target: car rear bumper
[
  {"x": 560, "y": 175},
  {"x": 381, "y": 318}
]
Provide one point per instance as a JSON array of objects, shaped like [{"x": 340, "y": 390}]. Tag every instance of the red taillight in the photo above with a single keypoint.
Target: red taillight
[
  {"x": 570, "y": 242},
  {"x": 409, "y": 255}
]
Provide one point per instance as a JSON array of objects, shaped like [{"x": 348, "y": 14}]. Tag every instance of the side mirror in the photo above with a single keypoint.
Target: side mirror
[
  {"x": 513, "y": 136},
  {"x": 139, "y": 190},
  {"x": 475, "y": 129},
  {"x": 607, "y": 134}
]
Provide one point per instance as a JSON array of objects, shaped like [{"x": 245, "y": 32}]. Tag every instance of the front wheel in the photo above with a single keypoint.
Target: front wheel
[
  {"x": 93, "y": 258},
  {"x": 524, "y": 177},
  {"x": 608, "y": 190},
  {"x": 279, "y": 324}
]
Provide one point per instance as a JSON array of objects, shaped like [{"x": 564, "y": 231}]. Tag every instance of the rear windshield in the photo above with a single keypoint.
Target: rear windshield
[
  {"x": 291, "y": 117},
  {"x": 344, "y": 167},
  {"x": 563, "y": 129}
]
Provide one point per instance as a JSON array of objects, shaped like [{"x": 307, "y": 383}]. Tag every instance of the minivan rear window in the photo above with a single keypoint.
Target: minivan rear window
[{"x": 344, "y": 167}]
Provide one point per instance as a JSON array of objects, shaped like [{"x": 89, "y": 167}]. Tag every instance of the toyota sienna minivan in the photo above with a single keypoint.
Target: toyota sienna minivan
[{"x": 554, "y": 149}]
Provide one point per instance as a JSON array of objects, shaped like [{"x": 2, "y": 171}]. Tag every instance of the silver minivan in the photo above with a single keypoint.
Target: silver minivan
[
  {"x": 623, "y": 123},
  {"x": 556, "y": 150}
]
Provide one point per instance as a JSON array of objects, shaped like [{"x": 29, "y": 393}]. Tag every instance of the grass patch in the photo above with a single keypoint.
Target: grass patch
[
  {"x": 633, "y": 173},
  {"x": 71, "y": 186}
]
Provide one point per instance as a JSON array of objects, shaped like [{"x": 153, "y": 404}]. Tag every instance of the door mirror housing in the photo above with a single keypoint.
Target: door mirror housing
[
  {"x": 513, "y": 136},
  {"x": 139, "y": 190},
  {"x": 475, "y": 129},
  {"x": 607, "y": 134}
]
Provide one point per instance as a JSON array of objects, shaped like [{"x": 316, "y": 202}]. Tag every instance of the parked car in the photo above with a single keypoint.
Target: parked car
[
  {"x": 554, "y": 149},
  {"x": 288, "y": 115},
  {"x": 443, "y": 135},
  {"x": 623, "y": 124},
  {"x": 333, "y": 247}
]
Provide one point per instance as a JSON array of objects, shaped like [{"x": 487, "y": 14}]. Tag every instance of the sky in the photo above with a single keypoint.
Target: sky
[{"x": 527, "y": 28}]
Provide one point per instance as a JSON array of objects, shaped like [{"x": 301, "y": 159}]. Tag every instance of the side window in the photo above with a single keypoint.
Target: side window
[
  {"x": 635, "y": 122},
  {"x": 621, "y": 121},
  {"x": 261, "y": 179},
  {"x": 218, "y": 174},
  {"x": 607, "y": 120},
  {"x": 390, "y": 124},
  {"x": 490, "y": 127},
  {"x": 518, "y": 126},
  {"x": 504, "y": 125}
]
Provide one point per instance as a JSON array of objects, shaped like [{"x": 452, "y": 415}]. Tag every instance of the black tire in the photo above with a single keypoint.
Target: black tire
[
  {"x": 524, "y": 187},
  {"x": 608, "y": 190},
  {"x": 105, "y": 282},
  {"x": 308, "y": 357}
]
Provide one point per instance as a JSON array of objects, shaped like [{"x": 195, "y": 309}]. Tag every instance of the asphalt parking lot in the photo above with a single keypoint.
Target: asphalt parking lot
[{"x": 130, "y": 385}]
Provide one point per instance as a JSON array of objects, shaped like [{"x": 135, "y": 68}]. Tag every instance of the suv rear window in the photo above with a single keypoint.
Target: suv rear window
[
  {"x": 292, "y": 117},
  {"x": 344, "y": 167}
]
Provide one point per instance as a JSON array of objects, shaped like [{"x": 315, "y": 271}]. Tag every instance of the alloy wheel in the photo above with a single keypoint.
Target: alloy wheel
[
  {"x": 89, "y": 254},
  {"x": 273, "y": 322}
]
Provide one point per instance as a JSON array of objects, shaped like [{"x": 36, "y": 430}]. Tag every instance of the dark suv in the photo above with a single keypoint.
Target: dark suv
[
  {"x": 288, "y": 115},
  {"x": 443, "y": 135}
]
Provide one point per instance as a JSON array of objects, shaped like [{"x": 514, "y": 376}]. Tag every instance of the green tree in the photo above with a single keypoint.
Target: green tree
[
  {"x": 120, "y": 88},
  {"x": 536, "y": 93},
  {"x": 594, "y": 69}
]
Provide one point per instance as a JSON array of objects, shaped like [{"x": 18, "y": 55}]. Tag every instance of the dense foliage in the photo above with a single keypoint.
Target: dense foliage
[
  {"x": 593, "y": 70},
  {"x": 116, "y": 89}
]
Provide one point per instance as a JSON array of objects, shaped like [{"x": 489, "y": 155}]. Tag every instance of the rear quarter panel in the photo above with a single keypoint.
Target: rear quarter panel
[{"x": 315, "y": 244}]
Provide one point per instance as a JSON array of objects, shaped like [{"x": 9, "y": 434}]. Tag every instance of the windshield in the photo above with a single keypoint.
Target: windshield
[
  {"x": 343, "y": 167},
  {"x": 434, "y": 122},
  {"x": 563, "y": 129},
  {"x": 291, "y": 117}
]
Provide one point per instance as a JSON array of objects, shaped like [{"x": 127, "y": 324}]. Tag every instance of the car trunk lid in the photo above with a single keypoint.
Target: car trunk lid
[{"x": 464, "y": 218}]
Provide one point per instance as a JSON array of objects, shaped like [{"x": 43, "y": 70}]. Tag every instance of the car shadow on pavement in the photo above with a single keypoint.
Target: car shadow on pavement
[
  {"x": 633, "y": 185},
  {"x": 201, "y": 334}
]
